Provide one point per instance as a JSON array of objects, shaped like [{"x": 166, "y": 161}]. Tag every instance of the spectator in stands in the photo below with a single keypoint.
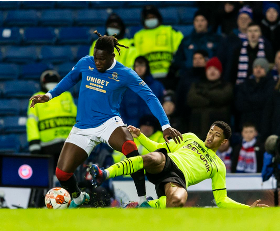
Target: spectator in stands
[
  {"x": 275, "y": 72},
  {"x": 209, "y": 99},
  {"x": 200, "y": 39},
  {"x": 270, "y": 25},
  {"x": 170, "y": 109},
  {"x": 248, "y": 155},
  {"x": 225, "y": 51},
  {"x": 252, "y": 95},
  {"x": 225, "y": 154},
  {"x": 48, "y": 125},
  {"x": 187, "y": 77},
  {"x": 115, "y": 25},
  {"x": 157, "y": 42},
  {"x": 255, "y": 47},
  {"x": 133, "y": 107}
]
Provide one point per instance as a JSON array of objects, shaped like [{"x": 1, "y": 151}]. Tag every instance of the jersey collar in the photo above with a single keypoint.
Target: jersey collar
[{"x": 113, "y": 65}]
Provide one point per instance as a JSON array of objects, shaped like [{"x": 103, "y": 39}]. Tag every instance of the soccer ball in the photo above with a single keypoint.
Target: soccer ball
[{"x": 57, "y": 198}]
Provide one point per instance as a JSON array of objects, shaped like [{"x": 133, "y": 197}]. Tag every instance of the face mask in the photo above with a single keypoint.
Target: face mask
[
  {"x": 50, "y": 86},
  {"x": 151, "y": 23},
  {"x": 111, "y": 31}
]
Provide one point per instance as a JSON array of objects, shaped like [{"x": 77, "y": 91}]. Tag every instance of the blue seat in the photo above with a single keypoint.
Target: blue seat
[
  {"x": 141, "y": 4},
  {"x": 56, "y": 18},
  {"x": 186, "y": 14},
  {"x": 170, "y": 15},
  {"x": 8, "y": 71},
  {"x": 9, "y": 144},
  {"x": 37, "y": 4},
  {"x": 10, "y": 36},
  {"x": 9, "y": 107},
  {"x": 39, "y": 35},
  {"x": 24, "y": 145},
  {"x": 130, "y": 16},
  {"x": 178, "y": 3},
  {"x": 9, "y": 5},
  {"x": 56, "y": 54},
  {"x": 106, "y": 4},
  {"x": 72, "y": 35},
  {"x": 100, "y": 29},
  {"x": 91, "y": 17},
  {"x": 19, "y": 89},
  {"x": 21, "y": 18},
  {"x": 21, "y": 54},
  {"x": 24, "y": 103},
  {"x": 14, "y": 124},
  {"x": 72, "y": 4},
  {"x": 185, "y": 29},
  {"x": 33, "y": 71},
  {"x": 1, "y": 18},
  {"x": 64, "y": 68},
  {"x": 82, "y": 52}
]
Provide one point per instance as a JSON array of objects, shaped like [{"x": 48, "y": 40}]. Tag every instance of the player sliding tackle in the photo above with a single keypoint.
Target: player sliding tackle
[{"x": 174, "y": 167}]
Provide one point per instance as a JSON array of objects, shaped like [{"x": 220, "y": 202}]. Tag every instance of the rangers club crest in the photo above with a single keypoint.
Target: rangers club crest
[{"x": 114, "y": 76}]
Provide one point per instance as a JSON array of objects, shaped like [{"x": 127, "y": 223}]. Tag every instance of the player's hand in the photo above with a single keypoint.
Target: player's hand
[
  {"x": 38, "y": 99},
  {"x": 174, "y": 134},
  {"x": 135, "y": 132},
  {"x": 256, "y": 204}
]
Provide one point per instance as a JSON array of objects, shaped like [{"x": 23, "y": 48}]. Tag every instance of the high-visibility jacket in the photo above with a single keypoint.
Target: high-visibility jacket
[
  {"x": 158, "y": 45},
  {"x": 127, "y": 56},
  {"x": 50, "y": 122}
]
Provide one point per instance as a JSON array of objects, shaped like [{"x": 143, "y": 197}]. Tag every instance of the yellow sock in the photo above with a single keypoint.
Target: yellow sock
[{"x": 158, "y": 203}]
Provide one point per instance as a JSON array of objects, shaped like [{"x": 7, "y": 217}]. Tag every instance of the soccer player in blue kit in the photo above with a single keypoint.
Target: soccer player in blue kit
[{"x": 103, "y": 83}]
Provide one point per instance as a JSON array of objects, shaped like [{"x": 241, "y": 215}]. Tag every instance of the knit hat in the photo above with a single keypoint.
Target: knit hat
[
  {"x": 261, "y": 62},
  {"x": 214, "y": 62},
  {"x": 246, "y": 10},
  {"x": 202, "y": 13},
  {"x": 150, "y": 9},
  {"x": 268, "y": 5}
]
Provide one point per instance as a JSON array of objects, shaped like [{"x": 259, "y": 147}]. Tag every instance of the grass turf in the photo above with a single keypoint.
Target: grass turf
[{"x": 109, "y": 219}]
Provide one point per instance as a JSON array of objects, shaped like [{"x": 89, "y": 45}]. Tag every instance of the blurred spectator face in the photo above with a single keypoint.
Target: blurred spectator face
[
  {"x": 249, "y": 133},
  {"x": 147, "y": 130},
  {"x": 113, "y": 28},
  {"x": 140, "y": 68},
  {"x": 199, "y": 60},
  {"x": 200, "y": 24},
  {"x": 271, "y": 15},
  {"x": 228, "y": 7},
  {"x": 253, "y": 34},
  {"x": 168, "y": 107},
  {"x": 243, "y": 21},
  {"x": 259, "y": 72},
  {"x": 151, "y": 21},
  {"x": 224, "y": 147},
  {"x": 277, "y": 60},
  {"x": 212, "y": 73}
]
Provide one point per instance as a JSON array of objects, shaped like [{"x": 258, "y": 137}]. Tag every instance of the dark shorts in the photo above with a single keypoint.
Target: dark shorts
[{"x": 170, "y": 173}]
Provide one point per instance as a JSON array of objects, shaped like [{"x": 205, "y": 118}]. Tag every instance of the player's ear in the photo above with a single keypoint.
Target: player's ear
[{"x": 224, "y": 141}]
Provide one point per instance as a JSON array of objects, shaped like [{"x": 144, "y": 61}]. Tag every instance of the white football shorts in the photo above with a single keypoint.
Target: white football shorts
[{"x": 88, "y": 138}]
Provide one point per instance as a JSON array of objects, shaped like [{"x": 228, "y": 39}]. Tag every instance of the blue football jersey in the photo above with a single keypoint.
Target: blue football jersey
[{"x": 101, "y": 93}]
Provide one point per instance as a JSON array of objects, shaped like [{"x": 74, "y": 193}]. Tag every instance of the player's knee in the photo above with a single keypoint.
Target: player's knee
[
  {"x": 176, "y": 201},
  {"x": 61, "y": 175}
]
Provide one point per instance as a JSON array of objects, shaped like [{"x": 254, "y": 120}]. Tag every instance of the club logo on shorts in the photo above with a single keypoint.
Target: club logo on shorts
[{"x": 114, "y": 76}]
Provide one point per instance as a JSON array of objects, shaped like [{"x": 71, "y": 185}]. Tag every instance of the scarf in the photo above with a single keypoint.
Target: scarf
[
  {"x": 226, "y": 158},
  {"x": 275, "y": 74},
  {"x": 247, "y": 160},
  {"x": 244, "y": 60}
]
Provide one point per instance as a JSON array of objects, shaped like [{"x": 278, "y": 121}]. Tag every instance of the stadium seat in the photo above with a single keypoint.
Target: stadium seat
[
  {"x": 106, "y": 4},
  {"x": 130, "y": 16},
  {"x": 82, "y": 52},
  {"x": 9, "y": 5},
  {"x": 8, "y": 71},
  {"x": 72, "y": 35},
  {"x": 72, "y": 4},
  {"x": 1, "y": 18},
  {"x": 100, "y": 29},
  {"x": 33, "y": 71},
  {"x": 9, "y": 144},
  {"x": 178, "y": 3},
  {"x": 56, "y": 54},
  {"x": 91, "y": 17},
  {"x": 23, "y": 106},
  {"x": 10, "y": 36},
  {"x": 186, "y": 14},
  {"x": 185, "y": 29},
  {"x": 24, "y": 146},
  {"x": 9, "y": 107},
  {"x": 19, "y": 89},
  {"x": 170, "y": 15},
  {"x": 141, "y": 4},
  {"x": 56, "y": 18},
  {"x": 21, "y": 54},
  {"x": 37, "y": 4},
  {"x": 14, "y": 124},
  {"x": 21, "y": 18},
  {"x": 39, "y": 35},
  {"x": 64, "y": 68}
]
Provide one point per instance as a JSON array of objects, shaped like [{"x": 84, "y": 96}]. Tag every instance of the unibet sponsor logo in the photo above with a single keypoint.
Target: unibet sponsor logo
[{"x": 97, "y": 81}]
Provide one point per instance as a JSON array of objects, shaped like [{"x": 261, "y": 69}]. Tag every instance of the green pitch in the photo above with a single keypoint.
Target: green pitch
[{"x": 111, "y": 219}]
